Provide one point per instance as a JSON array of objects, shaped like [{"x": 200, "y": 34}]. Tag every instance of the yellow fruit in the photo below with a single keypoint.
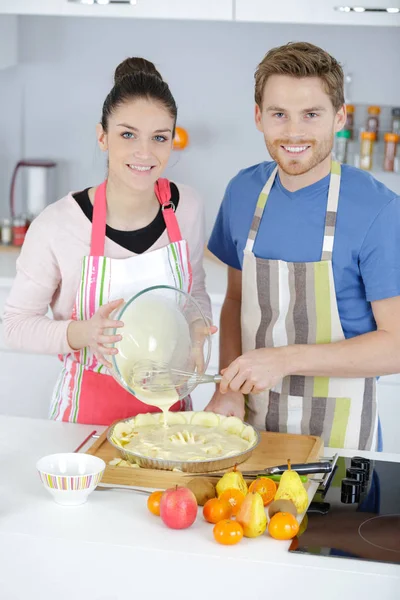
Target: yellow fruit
[
  {"x": 292, "y": 488},
  {"x": 232, "y": 480},
  {"x": 251, "y": 515}
]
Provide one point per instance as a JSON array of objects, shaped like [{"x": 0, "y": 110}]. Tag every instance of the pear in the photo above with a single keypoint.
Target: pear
[
  {"x": 291, "y": 488},
  {"x": 232, "y": 480},
  {"x": 251, "y": 515}
]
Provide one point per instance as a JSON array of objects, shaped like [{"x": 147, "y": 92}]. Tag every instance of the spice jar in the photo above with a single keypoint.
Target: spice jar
[
  {"x": 373, "y": 120},
  {"x": 391, "y": 141},
  {"x": 6, "y": 232},
  {"x": 341, "y": 145},
  {"x": 19, "y": 229},
  {"x": 366, "y": 149},
  {"x": 396, "y": 120},
  {"x": 349, "y": 126}
]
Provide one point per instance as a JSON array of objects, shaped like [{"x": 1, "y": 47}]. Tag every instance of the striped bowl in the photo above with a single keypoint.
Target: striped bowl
[{"x": 70, "y": 477}]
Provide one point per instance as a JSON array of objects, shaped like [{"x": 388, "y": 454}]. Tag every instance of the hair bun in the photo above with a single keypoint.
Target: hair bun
[{"x": 134, "y": 65}]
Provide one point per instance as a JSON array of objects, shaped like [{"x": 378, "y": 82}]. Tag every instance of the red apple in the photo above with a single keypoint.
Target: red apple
[{"x": 178, "y": 507}]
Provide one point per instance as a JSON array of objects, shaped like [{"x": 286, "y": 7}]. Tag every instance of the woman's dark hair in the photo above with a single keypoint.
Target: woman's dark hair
[{"x": 137, "y": 78}]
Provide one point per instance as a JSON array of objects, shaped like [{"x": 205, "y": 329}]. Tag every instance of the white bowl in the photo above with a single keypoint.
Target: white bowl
[{"x": 70, "y": 477}]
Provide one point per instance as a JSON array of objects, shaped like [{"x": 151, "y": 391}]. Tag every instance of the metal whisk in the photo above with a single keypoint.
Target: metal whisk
[{"x": 162, "y": 378}]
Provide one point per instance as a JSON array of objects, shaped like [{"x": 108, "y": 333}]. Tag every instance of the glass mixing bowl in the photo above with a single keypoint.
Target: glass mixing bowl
[{"x": 163, "y": 326}]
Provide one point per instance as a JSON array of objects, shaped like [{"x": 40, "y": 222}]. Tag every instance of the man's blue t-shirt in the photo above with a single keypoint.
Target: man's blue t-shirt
[{"x": 366, "y": 251}]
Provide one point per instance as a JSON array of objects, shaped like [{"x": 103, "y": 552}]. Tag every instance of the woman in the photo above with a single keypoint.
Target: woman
[{"x": 90, "y": 250}]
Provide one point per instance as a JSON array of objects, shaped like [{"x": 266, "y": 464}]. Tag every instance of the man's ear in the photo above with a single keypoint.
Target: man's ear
[
  {"x": 257, "y": 117},
  {"x": 340, "y": 118}
]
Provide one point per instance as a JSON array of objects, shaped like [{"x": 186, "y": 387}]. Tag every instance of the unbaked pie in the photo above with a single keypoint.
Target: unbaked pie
[{"x": 187, "y": 436}]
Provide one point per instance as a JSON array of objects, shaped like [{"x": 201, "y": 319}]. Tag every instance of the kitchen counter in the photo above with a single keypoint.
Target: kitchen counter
[{"x": 112, "y": 548}]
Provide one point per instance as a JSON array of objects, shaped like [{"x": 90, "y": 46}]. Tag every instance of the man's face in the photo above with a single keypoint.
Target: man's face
[{"x": 298, "y": 121}]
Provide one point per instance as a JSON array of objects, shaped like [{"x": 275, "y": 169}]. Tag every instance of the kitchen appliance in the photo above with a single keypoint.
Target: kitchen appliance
[
  {"x": 36, "y": 186},
  {"x": 162, "y": 326},
  {"x": 355, "y": 513}
]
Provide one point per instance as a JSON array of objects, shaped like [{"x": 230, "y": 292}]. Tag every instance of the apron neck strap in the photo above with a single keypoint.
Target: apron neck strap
[
  {"x": 331, "y": 211},
  {"x": 163, "y": 192},
  {"x": 330, "y": 217},
  {"x": 99, "y": 221}
]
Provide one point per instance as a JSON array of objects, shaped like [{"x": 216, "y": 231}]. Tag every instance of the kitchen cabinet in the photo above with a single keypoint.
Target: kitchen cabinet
[
  {"x": 208, "y": 10},
  {"x": 317, "y": 12},
  {"x": 8, "y": 41}
]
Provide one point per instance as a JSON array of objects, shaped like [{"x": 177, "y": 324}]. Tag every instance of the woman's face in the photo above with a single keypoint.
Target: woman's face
[{"x": 139, "y": 143}]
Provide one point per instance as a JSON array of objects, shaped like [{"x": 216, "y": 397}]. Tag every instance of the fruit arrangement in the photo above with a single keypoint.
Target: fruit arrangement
[{"x": 235, "y": 509}]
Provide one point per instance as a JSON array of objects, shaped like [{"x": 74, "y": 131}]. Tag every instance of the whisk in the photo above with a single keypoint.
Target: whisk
[{"x": 156, "y": 377}]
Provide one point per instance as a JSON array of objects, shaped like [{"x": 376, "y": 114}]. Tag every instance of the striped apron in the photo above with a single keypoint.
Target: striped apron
[
  {"x": 85, "y": 391},
  {"x": 295, "y": 303}
]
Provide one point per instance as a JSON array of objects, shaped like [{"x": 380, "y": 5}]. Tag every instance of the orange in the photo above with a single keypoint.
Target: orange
[
  {"x": 181, "y": 139},
  {"x": 216, "y": 510},
  {"x": 235, "y": 498},
  {"x": 265, "y": 487},
  {"x": 153, "y": 503},
  {"x": 228, "y": 532},
  {"x": 283, "y": 526}
]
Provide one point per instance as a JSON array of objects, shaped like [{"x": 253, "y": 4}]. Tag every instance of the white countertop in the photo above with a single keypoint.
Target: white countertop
[{"x": 112, "y": 548}]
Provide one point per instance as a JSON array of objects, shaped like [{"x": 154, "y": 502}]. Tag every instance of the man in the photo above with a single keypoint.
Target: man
[{"x": 313, "y": 254}]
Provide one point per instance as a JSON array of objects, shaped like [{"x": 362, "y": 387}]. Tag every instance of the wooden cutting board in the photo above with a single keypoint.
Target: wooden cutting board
[{"x": 273, "y": 449}]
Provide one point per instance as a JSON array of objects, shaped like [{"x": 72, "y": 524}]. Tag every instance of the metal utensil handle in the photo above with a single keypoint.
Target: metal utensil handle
[
  {"x": 104, "y": 488},
  {"x": 309, "y": 468},
  {"x": 210, "y": 378},
  {"x": 301, "y": 469}
]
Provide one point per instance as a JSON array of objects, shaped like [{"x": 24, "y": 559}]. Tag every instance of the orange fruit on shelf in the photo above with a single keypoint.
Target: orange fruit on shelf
[
  {"x": 181, "y": 139},
  {"x": 235, "y": 498},
  {"x": 153, "y": 502},
  {"x": 265, "y": 487},
  {"x": 283, "y": 526},
  {"x": 216, "y": 510},
  {"x": 228, "y": 532}
]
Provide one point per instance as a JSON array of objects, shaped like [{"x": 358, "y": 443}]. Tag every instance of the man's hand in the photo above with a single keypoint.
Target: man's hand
[
  {"x": 230, "y": 404},
  {"x": 254, "y": 371}
]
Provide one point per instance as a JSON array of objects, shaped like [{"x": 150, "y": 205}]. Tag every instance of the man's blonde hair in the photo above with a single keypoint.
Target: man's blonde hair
[{"x": 301, "y": 59}]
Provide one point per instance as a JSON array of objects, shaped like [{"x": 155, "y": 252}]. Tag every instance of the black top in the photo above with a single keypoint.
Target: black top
[{"x": 139, "y": 240}]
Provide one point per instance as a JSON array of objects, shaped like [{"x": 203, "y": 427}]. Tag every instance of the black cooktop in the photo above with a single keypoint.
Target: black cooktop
[{"x": 357, "y": 515}]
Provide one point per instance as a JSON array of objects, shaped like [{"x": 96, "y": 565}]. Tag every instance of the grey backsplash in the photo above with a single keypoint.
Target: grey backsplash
[{"x": 51, "y": 101}]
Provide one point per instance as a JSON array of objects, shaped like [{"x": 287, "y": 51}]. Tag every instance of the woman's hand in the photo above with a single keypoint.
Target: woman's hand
[
  {"x": 90, "y": 333},
  {"x": 255, "y": 371},
  {"x": 198, "y": 333}
]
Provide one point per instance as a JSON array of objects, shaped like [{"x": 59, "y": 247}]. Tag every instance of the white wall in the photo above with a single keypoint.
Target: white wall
[{"x": 52, "y": 100}]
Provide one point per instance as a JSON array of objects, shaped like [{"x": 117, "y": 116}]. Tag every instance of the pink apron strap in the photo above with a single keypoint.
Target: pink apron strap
[
  {"x": 99, "y": 221},
  {"x": 163, "y": 193}
]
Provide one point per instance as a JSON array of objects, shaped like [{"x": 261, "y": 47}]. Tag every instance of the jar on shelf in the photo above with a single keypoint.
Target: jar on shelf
[
  {"x": 349, "y": 126},
  {"x": 373, "y": 120},
  {"x": 6, "y": 232},
  {"x": 367, "y": 149},
  {"x": 391, "y": 141},
  {"x": 396, "y": 120},
  {"x": 19, "y": 229},
  {"x": 341, "y": 145}
]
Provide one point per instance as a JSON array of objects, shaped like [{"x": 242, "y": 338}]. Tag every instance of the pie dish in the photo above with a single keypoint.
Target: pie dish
[{"x": 187, "y": 441}]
